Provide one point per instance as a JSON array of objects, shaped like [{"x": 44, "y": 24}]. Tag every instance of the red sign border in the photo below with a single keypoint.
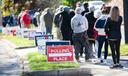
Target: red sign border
[{"x": 62, "y": 46}]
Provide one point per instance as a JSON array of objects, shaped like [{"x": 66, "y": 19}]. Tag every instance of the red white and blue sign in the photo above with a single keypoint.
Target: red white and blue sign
[{"x": 60, "y": 53}]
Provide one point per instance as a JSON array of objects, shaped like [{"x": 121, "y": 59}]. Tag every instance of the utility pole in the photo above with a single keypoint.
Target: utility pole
[{"x": 126, "y": 20}]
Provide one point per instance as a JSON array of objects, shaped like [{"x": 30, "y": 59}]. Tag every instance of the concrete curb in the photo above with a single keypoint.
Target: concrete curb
[{"x": 67, "y": 72}]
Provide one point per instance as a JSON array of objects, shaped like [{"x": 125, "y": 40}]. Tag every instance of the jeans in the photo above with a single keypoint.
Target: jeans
[
  {"x": 80, "y": 40},
  {"x": 48, "y": 29},
  {"x": 6, "y": 20},
  {"x": 101, "y": 40},
  {"x": 115, "y": 49}
]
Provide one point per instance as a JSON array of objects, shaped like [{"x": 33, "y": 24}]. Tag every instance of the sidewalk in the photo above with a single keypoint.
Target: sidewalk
[
  {"x": 9, "y": 64},
  {"x": 104, "y": 70},
  {"x": 96, "y": 69}
]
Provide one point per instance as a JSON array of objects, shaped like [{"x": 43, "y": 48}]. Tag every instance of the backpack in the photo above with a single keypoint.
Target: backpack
[{"x": 100, "y": 23}]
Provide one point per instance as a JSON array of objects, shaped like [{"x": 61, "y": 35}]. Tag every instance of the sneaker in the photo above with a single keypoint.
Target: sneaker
[
  {"x": 105, "y": 61},
  {"x": 88, "y": 60},
  {"x": 119, "y": 66},
  {"x": 98, "y": 61},
  {"x": 81, "y": 56},
  {"x": 114, "y": 66}
]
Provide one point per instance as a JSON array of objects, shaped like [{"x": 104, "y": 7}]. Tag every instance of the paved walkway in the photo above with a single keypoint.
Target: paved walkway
[
  {"x": 9, "y": 65},
  {"x": 104, "y": 70}
]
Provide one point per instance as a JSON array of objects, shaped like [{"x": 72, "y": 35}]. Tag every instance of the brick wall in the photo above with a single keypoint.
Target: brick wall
[{"x": 118, "y": 3}]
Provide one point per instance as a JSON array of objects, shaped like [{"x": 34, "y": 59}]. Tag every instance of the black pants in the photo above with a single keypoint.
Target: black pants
[{"x": 115, "y": 49}]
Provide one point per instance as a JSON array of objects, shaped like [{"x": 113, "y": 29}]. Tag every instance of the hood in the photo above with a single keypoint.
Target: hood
[{"x": 102, "y": 17}]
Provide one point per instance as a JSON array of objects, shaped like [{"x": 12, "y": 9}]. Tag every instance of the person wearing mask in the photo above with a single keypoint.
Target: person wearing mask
[
  {"x": 113, "y": 30},
  {"x": 102, "y": 37},
  {"x": 79, "y": 25}
]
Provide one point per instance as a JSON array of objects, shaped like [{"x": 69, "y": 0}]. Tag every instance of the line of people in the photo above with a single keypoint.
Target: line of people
[{"x": 88, "y": 30}]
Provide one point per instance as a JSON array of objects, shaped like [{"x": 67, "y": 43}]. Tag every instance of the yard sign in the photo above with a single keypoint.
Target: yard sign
[{"x": 60, "y": 53}]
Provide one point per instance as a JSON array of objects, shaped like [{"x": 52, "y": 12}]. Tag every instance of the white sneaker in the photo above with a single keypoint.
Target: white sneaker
[
  {"x": 97, "y": 61},
  {"x": 105, "y": 61}
]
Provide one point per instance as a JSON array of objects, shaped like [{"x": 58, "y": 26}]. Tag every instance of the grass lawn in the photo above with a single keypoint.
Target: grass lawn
[
  {"x": 22, "y": 42},
  {"x": 19, "y": 42},
  {"x": 123, "y": 50},
  {"x": 38, "y": 62}
]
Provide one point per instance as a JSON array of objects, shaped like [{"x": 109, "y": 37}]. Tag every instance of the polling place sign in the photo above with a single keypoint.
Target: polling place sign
[{"x": 60, "y": 53}]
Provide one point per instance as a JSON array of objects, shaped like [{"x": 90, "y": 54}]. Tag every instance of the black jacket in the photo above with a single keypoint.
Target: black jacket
[{"x": 113, "y": 28}]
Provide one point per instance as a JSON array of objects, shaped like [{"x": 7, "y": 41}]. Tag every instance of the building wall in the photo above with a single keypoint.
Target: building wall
[{"x": 118, "y": 3}]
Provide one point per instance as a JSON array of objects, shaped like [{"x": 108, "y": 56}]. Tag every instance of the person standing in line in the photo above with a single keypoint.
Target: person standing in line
[
  {"x": 91, "y": 21},
  {"x": 71, "y": 13},
  {"x": 42, "y": 26},
  {"x": 6, "y": 16},
  {"x": 113, "y": 30},
  {"x": 57, "y": 21},
  {"x": 48, "y": 19},
  {"x": 102, "y": 37},
  {"x": 36, "y": 17},
  {"x": 86, "y": 10},
  {"x": 65, "y": 27},
  {"x": 19, "y": 18},
  {"x": 26, "y": 19},
  {"x": 79, "y": 25},
  {"x": 97, "y": 14}
]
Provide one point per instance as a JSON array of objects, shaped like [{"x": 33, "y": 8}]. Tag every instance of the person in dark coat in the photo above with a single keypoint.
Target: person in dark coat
[
  {"x": 48, "y": 19},
  {"x": 71, "y": 13},
  {"x": 65, "y": 27},
  {"x": 113, "y": 30},
  {"x": 85, "y": 4},
  {"x": 91, "y": 21}
]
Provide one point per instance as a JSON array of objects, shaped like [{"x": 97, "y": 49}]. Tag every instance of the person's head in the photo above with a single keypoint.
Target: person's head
[
  {"x": 78, "y": 4},
  {"x": 91, "y": 8},
  {"x": 85, "y": 5},
  {"x": 104, "y": 11},
  {"x": 114, "y": 13},
  {"x": 78, "y": 10},
  {"x": 103, "y": 6},
  {"x": 26, "y": 11},
  {"x": 97, "y": 14}
]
